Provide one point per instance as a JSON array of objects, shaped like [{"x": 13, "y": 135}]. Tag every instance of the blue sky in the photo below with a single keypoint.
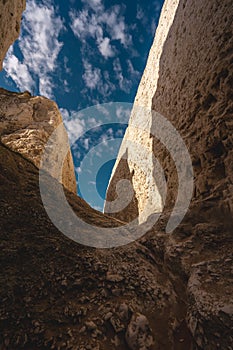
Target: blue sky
[{"x": 81, "y": 54}]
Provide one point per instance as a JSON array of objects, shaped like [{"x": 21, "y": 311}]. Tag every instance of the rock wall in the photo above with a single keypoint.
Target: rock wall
[
  {"x": 26, "y": 122},
  {"x": 137, "y": 140},
  {"x": 10, "y": 17},
  {"x": 188, "y": 79}
]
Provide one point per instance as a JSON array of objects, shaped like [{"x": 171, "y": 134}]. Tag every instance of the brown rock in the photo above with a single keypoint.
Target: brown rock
[
  {"x": 139, "y": 335},
  {"x": 188, "y": 80},
  {"x": 26, "y": 122},
  {"x": 10, "y": 17}
]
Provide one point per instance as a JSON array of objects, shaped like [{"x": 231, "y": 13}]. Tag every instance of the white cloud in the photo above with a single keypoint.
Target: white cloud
[
  {"x": 78, "y": 170},
  {"x": 39, "y": 45},
  {"x": 116, "y": 26},
  {"x": 86, "y": 144},
  {"x": 104, "y": 139},
  {"x": 105, "y": 27},
  {"x": 74, "y": 124},
  {"x": 133, "y": 72},
  {"x": 93, "y": 20},
  {"x": 91, "y": 76},
  {"x": 18, "y": 71},
  {"x": 123, "y": 113},
  {"x": 124, "y": 83},
  {"x": 120, "y": 133},
  {"x": 106, "y": 49},
  {"x": 94, "y": 79},
  {"x": 94, "y": 4},
  {"x": 80, "y": 24},
  {"x": 66, "y": 86},
  {"x": 140, "y": 13},
  {"x": 67, "y": 69},
  {"x": 104, "y": 111},
  {"x": 92, "y": 122},
  {"x": 65, "y": 113}
]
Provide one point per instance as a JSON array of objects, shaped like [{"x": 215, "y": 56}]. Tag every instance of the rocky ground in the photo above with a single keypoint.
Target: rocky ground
[{"x": 57, "y": 294}]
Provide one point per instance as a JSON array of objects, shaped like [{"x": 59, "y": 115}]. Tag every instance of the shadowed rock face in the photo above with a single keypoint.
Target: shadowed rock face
[
  {"x": 195, "y": 93},
  {"x": 10, "y": 18}
]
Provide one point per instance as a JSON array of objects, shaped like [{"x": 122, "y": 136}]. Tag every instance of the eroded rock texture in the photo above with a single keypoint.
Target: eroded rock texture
[
  {"x": 58, "y": 294},
  {"x": 188, "y": 79},
  {"x": 137, "y": 144},
  {"x": 26, "y": 122},
  {"x": 10, "y": 17},
  {"x": 190, "y": 83}
]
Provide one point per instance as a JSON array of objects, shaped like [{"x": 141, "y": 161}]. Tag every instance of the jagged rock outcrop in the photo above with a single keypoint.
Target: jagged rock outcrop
[
  {"x": 10, "y": 17},
  {"x": 26, "y": 122}
]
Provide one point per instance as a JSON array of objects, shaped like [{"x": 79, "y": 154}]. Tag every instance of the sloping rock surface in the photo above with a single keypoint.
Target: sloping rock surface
[{"x": 58, "y": 294}]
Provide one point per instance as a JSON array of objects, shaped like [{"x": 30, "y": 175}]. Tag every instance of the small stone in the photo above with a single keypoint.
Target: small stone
[
  {"x": 108, "y": 316},
  {"x": 91, "y": 326},
  {"x": 82, "y": 330},
  {"x": 114, "y": 277},
  {"x": 139, "y": 335},
  {"x": 116, "y": 292},
  {"x": 123, "y": 311},
  {"x": 116, "y": 324},
  {"x": 116, "y": 341}
]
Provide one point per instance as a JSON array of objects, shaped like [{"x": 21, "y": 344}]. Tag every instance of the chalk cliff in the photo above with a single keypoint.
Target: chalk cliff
[
  {"x": 10, "y": 18},
  {"x": 188, "y": 80}
]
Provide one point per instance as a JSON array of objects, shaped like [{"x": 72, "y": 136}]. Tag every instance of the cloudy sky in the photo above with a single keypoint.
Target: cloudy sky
[{"x": 84, "y": 53}]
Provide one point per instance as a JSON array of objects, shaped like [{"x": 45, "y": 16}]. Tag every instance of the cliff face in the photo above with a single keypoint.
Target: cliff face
[
  {"x": 26, "y": 122},
  {"x": 10, "y": 18},
  {"x": 144, "y": 184},
  {"x": 188, "y": 80}
]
